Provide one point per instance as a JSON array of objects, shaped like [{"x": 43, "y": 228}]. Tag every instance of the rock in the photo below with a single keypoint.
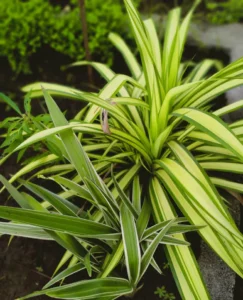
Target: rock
[
  {"x": 230, "y": 39},
  {"x": 219, "y": 278}
]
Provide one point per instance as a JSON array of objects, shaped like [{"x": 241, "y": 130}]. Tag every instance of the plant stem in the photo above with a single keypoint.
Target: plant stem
[{"x": 82, "y": 13}]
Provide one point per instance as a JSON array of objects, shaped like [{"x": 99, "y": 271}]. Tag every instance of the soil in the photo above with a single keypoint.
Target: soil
[{"x": 25, "y": 266}]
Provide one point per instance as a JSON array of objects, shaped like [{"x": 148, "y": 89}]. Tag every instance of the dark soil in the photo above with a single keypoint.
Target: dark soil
[{"x": 25, "y": 266}]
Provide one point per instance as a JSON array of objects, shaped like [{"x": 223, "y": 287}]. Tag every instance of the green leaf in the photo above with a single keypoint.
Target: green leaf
[
  {"x": 231, "y": 254},
  {"x": 167, "y": 240},
  {"x": 131, "y": 244},
  {"x": 112, "y": 260},
  {"x": 182, "y": 261},
  {"x": 155, "y": 89},
  {"x": 103, "y": 200},
  {"x": 227, "y": 184},
  {"x": 123, "y": 196},
  {"x": 60, "y": 223},
  {"x": 52, "y": 88},
  {"x": 88, "y": 264},
  {"x": 27, "y": 106},
  {"x": 175, "y": 228},
  {"x": 66, "y": 256},
  {"x": 23, "y": 230},
  {"x": 223, "y": 166},
  {"x": 214, "y": 127},
  {"x": 115, "y": 84},
  {"x": 11, "y": 103},
  {"x": 74, "y": 187},
  {"x": 187, "y": 160},
  {"x": 62, "y": 275},
  {"x": 149, "y": 253},
  {"x": 201, "y": 201},
  {"x": 18, "y": 197},
  {"x": 143, "y": 218},
  {"x": 60, "y": 204},
  {"x": 88, "y": 289},
  {"x": 129, "y": 57},
  {"x": 75, "y": 151}
]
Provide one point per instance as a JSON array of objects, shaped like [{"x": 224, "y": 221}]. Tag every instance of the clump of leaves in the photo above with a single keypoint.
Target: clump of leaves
[
  {"x": 17, "y": 129},
  {"x": 110, "y": 232},
  {"x": 160, "y": 132}
]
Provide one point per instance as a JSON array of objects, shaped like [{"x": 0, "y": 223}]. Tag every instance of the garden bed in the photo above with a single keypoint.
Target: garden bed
[{"x": 26, "y": 264}]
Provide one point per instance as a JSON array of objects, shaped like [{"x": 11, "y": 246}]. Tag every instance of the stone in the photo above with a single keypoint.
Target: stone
[
  {"x": 229, "y": 38},
  {"x": 219, "y": 278}
]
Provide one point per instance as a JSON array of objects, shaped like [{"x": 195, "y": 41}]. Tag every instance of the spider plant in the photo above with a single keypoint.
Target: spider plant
[
  {"x": 158, "y": 128},
  {"x": 109, "y": 232}
]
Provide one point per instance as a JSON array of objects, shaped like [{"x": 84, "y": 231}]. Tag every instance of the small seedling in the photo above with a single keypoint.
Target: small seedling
[{"x": 163, "y": 294}]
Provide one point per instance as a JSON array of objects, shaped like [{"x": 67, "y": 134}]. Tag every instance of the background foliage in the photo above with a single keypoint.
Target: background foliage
[
  {"x": 27, "y": 26},
  {"x": 223, "y": 12}
]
